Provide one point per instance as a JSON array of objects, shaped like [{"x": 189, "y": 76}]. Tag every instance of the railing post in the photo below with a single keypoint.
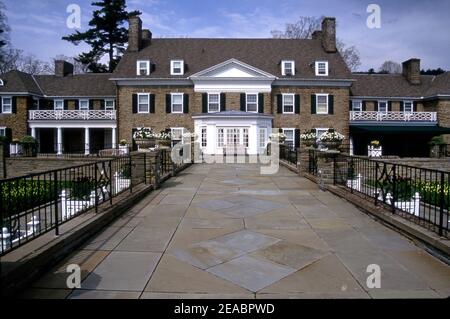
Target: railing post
[
  {"x": 96, "y": 188},
  {"x": 394, "y": 188},
  {"x": 441, "y": 206},
  {"x": 145, "y": 169},
  {"x": 377, "y": 166},
  {"x": 55, "y": 190},
  {"x": 131, "y": 174},
  {"x": 110, "y": 182}
]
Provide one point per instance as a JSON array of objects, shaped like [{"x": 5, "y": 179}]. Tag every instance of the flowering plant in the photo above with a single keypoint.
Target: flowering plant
[
  {"x": 163, "y": 135},
  {"x": 331, "y": 136},
  {"x": 308, "y": 136},
  {"x": 143, "y": 133},
  {"x": 375, "y": 143},
  {"x": 280, "y": 136},
  {"x": 123, "y": 142}
]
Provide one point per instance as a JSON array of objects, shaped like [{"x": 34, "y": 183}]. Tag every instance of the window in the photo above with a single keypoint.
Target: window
[
  {"x": 245, "y": 136},
  {"x": 143, "y": 67},
  {"x": 204, "y": 137},
  {"x": 290, "y": 136},
  {"x": 382, "y": 106},
  {"x": 177, "y": 135},
  {"x": 58, "y": 105},
  {"x": 6, "y": 105},
  {"x": 213, "y": 102},
  {"x": 143, "y": 103},
  {"x": 1, "y": 82},
  {"x": 252, "y": 103},
  {"x": 2, "y": 131},
  {"x": 109, "y": 105},
  {"x": 288, "y": 103},
  {"x": 35, "y": 103},
  {"x": 287, "y": 68},
  {"x": 177, "y": 102},
  {"x": 177, "y": 67},
  {"x": 322, "y": 103},
  {"x": 408, "y": 107},
  {"x": 220, "y": 138},
  {"x": 321, "y": 68},
  {"x": 356, "y": 106},
  {"x": 262, "y": 137},
  {"x": 84, "y": 105}
]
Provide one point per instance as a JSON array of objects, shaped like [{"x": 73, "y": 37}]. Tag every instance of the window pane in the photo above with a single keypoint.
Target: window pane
[
  {"x": 262, "y": 137},
  {"x": 408, "y": 107},
  {"x": 177, "y": 99},
  {"x": 357, "y": 106},
  {"x": 289, "y": 134},
  {"x": 220, "y": 137},
  {"x": 382, "y": 107},
  {"x": 251, "y": 98},
  {"x": 213, "y": 98},
  {"x": 204, "y": 138}
]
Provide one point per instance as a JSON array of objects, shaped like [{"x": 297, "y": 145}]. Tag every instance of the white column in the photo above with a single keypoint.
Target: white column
[
  {"x": 86, "y": 141},
  {"x": 113, "y": 137},
  {"x": 59, "y": 140},
  {"x": 33, "y": 132}
]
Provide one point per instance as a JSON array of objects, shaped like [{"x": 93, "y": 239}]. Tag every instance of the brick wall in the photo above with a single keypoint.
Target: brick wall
[
  {"x": 2, "y": 162},
  {"x": 17, "y": 122},
  {"x": 370, "y": 106}
]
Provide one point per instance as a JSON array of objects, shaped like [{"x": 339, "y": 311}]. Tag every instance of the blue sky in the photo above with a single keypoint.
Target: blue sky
[{"x": 409, "y": 28}]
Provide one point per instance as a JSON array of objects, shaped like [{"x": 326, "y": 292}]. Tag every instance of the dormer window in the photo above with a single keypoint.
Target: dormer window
[
  {"x": 1, "y": 82},
  {"x": 321, "y": 68},
  {"x": 177, "y": 67},
  {"x": 143, "y": 67},
  {"x": 287, "y": 67}
]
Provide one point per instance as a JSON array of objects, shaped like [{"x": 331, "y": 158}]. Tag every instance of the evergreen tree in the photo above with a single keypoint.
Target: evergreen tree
[{"x": 107, "y": 35}]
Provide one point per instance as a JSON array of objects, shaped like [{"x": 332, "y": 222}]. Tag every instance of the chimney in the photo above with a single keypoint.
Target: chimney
[
  {"x": 134, "y": 33},
  {"x": 317, "y": 35},
  {"x": 63, "y": 68},
  {"x": 411, "y": 70},
  {"x": 146, "y": 34},
  {"x": 329, "y": 34}
]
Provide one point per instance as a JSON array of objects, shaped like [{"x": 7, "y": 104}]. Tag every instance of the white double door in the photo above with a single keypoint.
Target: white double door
[{"x": 228, "y": 137}]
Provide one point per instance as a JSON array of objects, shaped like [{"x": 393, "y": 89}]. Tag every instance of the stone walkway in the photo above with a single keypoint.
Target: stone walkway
[{"x": 225, "y": 231}]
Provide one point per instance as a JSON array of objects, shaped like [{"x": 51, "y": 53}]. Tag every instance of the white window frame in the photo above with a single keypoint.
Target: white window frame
[
  {"x": 148, "y": 103},
  {"x": 293, "y": 102},
  {"x": 246, "y": 102},
  {"x": 204, "y": 137},
  {"x": 293, "y": 134},
  {"x": 172, "y": 129},
  {"x": 387, "y": 106},
  {"x": 283, "y": 67},
  {"x": 220, "y": 142},
  {"x": 263, "y": 140},
  {"x": 147, "y": 67},
  {"x": 317, "y": 68},
  {"x": 411, "y": 106},
  {"x": 87, "y": 104},
  {"x": 10, "y": 104},
  {"x": 2, "y": 130},
  {"x": 218, "y": 103},
  {"x": 172, "y": 67},
  {"x": 171, "y": 102},
  {"x": 317, "y": 103},
  {"x": 55, "y": 102},
  {"x": 359, "y": 102},
  {"x": 113, "y": 105}
]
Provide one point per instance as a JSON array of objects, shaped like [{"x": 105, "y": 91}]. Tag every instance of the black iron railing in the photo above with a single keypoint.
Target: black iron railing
[
  {"x": 288, "y": 154},
  {"x": 312, "y": 163},
  {"x": 420, "y": 195},
  {"x": 35, "y": 204}
]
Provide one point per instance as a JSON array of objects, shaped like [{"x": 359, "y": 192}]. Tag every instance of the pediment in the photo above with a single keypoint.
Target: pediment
[{"x": 232, "y": 69}]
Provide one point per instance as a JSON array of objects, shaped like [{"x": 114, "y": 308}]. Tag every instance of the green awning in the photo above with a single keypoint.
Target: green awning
[{"x": 435, "y": 129}]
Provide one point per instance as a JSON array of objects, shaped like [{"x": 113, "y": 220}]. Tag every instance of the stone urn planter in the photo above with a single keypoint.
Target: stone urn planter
[
  {"x": 164, "y": 142},
  {"x": 331, "y": 145},
  {"x": 309, "y": 143},
  {"x": 144, "y": 143}
]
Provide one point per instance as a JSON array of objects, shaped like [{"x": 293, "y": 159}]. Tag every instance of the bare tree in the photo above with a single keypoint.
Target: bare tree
[
  {"x": 390, "y": 67},
  {"x": 304, "y": 28},
  {"x": 15, "y": 59},
  {"x": 78, "y": 67}
]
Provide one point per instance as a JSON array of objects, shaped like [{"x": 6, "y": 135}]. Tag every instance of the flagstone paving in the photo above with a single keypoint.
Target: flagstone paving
[{"x": 225, "y": 231}]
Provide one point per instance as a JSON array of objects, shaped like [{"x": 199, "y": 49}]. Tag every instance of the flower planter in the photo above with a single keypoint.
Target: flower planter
[
  {"x": 123, "y": 149},
  {"x": 164, "y": 143},
  {"x": 145, "y": 143},
  {"x": 331, "y": 145},
  {"x": 308, "y": 143}
]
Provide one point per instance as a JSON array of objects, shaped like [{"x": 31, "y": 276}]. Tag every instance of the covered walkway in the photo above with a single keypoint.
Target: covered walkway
[{"x": 225, "y": 231}]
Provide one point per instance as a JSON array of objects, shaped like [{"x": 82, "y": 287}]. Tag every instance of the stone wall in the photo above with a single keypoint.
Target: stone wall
[{"x": 431, "y": 163}]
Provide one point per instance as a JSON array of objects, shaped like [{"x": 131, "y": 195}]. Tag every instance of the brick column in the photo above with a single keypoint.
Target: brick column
[
  {"x": 303, "y": 159},
  {"x": 153, "y": 173},
  {"x": 325, "y": 166}
]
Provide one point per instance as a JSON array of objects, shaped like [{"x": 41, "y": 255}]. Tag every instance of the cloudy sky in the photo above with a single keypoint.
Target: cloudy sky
[{"x": 408, "y": 28}]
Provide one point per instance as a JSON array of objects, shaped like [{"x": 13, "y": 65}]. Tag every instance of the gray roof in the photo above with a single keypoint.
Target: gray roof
[
  {"x": 389, "y": 85},
  {"x": 19, "y": 82},
  {"x": 440, "y": 85},
  {"x": 201, "y": 54},
  {"x": 89, "y": 84}
]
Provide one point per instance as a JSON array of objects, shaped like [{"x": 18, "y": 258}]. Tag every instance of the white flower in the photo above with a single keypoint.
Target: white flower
[
  {"x": 308, "y": 136},
  {"x": 142, "y": 132},
  {"x": 331, "y": 136}
]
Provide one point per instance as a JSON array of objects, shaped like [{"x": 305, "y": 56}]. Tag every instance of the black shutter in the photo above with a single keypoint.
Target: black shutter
[
  {"x": 152, "y": 103},
  {"x": 103, "y": 104},
  {"x": 390, "y": 106},
  {"x": 8, "y": 134},
  {"x": 415, "y": 106},
  {"x": 402, "y": 106},
  {"x": 66, "y": 104},
  {"x": 350, "y": 105},
  {"x": 223, "y": 102},
  {"x": 279, "y": 103},
  {"x": 313, "y": 104},
  {"x": 363, "y": 105},
  {"x": 376, "y": 106},
  {"x": 297, "y": 138},
  {"x": 243, "y": 100},
  {"x": 91, "y": 104},
  {"x": 297, "y": 103},
  {"x": 185, "y": 103},
  {"x": 14, "y": 104},
  {"x": 133, "y": 145},
  {"x": 204, "y": 102},
  {"x": 168, "y": 103},
  {"x": 261, "y": 103},
  {"x": 1, "y": 104},
  {"x": 30, "y": 105},
  {"x": 77, "y": 104},
  {"x": 330, "y": 104},
  {"x": 134, "y": 102}
]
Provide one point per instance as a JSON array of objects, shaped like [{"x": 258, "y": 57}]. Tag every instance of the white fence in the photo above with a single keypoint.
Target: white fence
[
  {"x": 393, "y": 116},
  {"x": 73, "y": 115}
]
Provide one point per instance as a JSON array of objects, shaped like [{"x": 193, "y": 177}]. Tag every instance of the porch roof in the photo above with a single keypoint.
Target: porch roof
[
  {"x": 400, "y": 129},
  {"x": 232, "y": 114}
]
